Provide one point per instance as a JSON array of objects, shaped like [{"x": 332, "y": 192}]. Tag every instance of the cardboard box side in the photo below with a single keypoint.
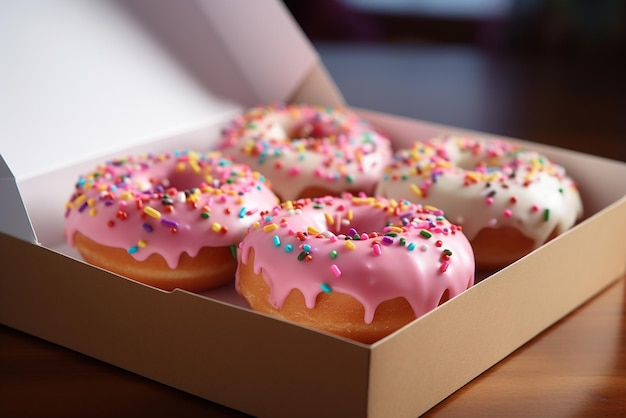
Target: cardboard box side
[
  {"x": 14, "y": 219},
  {"x": 455, "y": 343},
  {"x": 210, "y": 349},
  {"x": 380, "y": 398}
]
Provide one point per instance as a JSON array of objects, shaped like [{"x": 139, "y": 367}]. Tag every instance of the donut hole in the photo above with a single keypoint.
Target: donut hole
[
  {"x": 316, "y": 129},
  {"x": 183, "y": 180},
  {"x": 311, "y": 132},
  {"x": 367, "y": 223},
  {"x": 480, "y": 162}
]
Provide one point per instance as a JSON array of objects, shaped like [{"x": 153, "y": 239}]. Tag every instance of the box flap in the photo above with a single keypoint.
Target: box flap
[
  {"x": 318, "y": 87},
  {"x": 82, "y": 79},
  {"x": 267, "y": 45},
  {"x": 14, "y": 219}
]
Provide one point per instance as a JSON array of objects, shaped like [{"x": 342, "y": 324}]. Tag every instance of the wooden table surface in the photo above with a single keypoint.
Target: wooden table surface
[{"x": 576, "y": 368}]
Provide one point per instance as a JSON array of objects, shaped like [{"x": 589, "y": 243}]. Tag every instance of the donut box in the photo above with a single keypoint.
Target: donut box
[{"x": 210, "y": 344}]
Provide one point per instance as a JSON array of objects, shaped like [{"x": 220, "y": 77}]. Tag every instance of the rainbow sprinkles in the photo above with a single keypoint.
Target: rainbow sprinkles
[
  {"x": 373, "y": 249},
  {"x": 170, "y": 203}
]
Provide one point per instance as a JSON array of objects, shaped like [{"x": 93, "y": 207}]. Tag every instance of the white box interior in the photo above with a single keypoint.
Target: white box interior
[{"x": 41, "y": 193}]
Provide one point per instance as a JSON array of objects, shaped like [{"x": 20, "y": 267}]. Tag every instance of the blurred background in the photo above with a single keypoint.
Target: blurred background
[{"x": 551, "y": 71}]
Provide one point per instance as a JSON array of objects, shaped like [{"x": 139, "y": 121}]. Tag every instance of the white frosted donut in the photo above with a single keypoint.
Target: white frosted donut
[
  {"x": 308, "y": 151},
  {"x": 359, "y": 267},
  {"x": 508, "y": 200}
]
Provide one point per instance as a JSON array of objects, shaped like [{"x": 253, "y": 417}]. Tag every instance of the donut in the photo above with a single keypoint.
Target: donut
[
  {"x": 509, "y": 200},
  {"x": 308, "y": 151},
  {"x": 170, "y": 220},
  {"x": 354, "y": 266}
]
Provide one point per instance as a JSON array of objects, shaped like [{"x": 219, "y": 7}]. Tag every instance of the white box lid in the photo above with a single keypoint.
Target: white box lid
[{"x": 84, "y": 78}]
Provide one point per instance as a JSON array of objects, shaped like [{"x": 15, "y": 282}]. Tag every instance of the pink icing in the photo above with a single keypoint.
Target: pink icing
[
  {"x": 317, "y": 146},
  {"x": 167, "y": 204},
  {"x": 373, "y": 249}
]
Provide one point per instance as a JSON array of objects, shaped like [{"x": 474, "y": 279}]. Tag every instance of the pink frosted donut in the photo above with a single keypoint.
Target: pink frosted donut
[
  {"x": 308, "y": 151},
  {"x": 171, "y": 220},
  {"x": 359, "y": 267},
  {"x": 508, "y": 200}
]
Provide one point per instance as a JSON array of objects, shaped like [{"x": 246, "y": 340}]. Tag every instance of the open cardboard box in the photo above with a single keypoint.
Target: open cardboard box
[{"x": 231, "y": 55}]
